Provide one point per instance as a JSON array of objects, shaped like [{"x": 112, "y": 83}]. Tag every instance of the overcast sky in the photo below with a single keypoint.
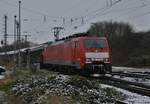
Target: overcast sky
[{"x": 38, "y": 17}]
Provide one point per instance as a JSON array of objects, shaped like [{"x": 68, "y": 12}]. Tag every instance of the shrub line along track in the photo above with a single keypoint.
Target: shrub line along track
[{"x": 127, "y": 85}]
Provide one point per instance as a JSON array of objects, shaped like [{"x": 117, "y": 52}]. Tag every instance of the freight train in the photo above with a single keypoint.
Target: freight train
[{"x": 79, "y": 54}]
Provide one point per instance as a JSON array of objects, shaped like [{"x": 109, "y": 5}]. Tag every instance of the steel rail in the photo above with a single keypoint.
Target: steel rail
[
  {"x": 145, "y": 76},
  {"x": 127, "y": 85}
]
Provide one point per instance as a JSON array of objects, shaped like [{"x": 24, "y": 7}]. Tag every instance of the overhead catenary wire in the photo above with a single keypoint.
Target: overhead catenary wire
[
  {"x": 117, "y": 11},
  {"x": 31, "y": 10},
  {"x": 87, "y": 17},
  {"x": 37, "y": 12},
  {"x": 105, "y": 13},
  {"x": 101, "y": 10},
  {"x": 42, "y": 14}
]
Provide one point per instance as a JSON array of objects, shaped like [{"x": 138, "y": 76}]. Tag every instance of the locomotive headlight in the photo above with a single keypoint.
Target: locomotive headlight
[
  {"x": 88, "y": 60},
  {"x": 106, "y": 59}
]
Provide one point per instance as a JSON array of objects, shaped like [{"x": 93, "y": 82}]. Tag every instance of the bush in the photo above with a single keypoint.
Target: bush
[{"x": 81, "y": 82}]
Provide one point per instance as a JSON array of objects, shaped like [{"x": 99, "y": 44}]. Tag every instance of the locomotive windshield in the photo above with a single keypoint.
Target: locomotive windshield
[{"x": 95, "y": 43}]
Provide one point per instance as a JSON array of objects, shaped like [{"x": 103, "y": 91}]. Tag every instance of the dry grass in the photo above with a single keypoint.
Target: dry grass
[
  {"x": 6, "y": 83},
  {"x": 60, "y": 100},
  {"x": 15, "y": 100},
  {"x": 9, "y": 65}
]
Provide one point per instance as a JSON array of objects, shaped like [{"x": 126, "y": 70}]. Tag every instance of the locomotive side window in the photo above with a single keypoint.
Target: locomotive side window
[{"x": 95, "y": 43}]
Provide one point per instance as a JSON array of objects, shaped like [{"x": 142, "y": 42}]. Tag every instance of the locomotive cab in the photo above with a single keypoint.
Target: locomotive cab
[{"x": 97, "y": 55}]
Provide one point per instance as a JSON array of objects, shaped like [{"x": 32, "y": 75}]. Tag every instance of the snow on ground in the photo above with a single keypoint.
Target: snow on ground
[
  {"x": 132, "y": 98},
  {"x": 132, "y": 79},
  {"x": 39, "y": 89},
  {"x": 62, "y": 77},
  {"x": 131, "y": 69},
  {"x": 2, "y": 76},
  {"x": 138, "y": 80}
]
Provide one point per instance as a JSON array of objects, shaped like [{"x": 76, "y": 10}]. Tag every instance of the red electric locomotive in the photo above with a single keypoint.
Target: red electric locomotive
[{"x": 89, "y": 55}]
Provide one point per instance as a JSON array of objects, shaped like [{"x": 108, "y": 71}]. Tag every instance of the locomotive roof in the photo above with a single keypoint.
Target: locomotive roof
[{"x": 75, "y": 39}]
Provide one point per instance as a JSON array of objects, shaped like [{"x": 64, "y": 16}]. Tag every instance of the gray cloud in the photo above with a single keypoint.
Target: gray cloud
[{"x": 39, "y": 16}]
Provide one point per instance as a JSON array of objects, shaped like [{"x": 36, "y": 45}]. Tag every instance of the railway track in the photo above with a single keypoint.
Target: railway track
[
  {"x": 135, "y": 87},
  {"x": 127, "y": 85},
  {"x": 135, "y": 75}
]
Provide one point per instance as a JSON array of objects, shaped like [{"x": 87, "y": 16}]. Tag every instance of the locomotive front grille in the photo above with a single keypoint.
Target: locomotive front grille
[{"x": 95, "y": 68}]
